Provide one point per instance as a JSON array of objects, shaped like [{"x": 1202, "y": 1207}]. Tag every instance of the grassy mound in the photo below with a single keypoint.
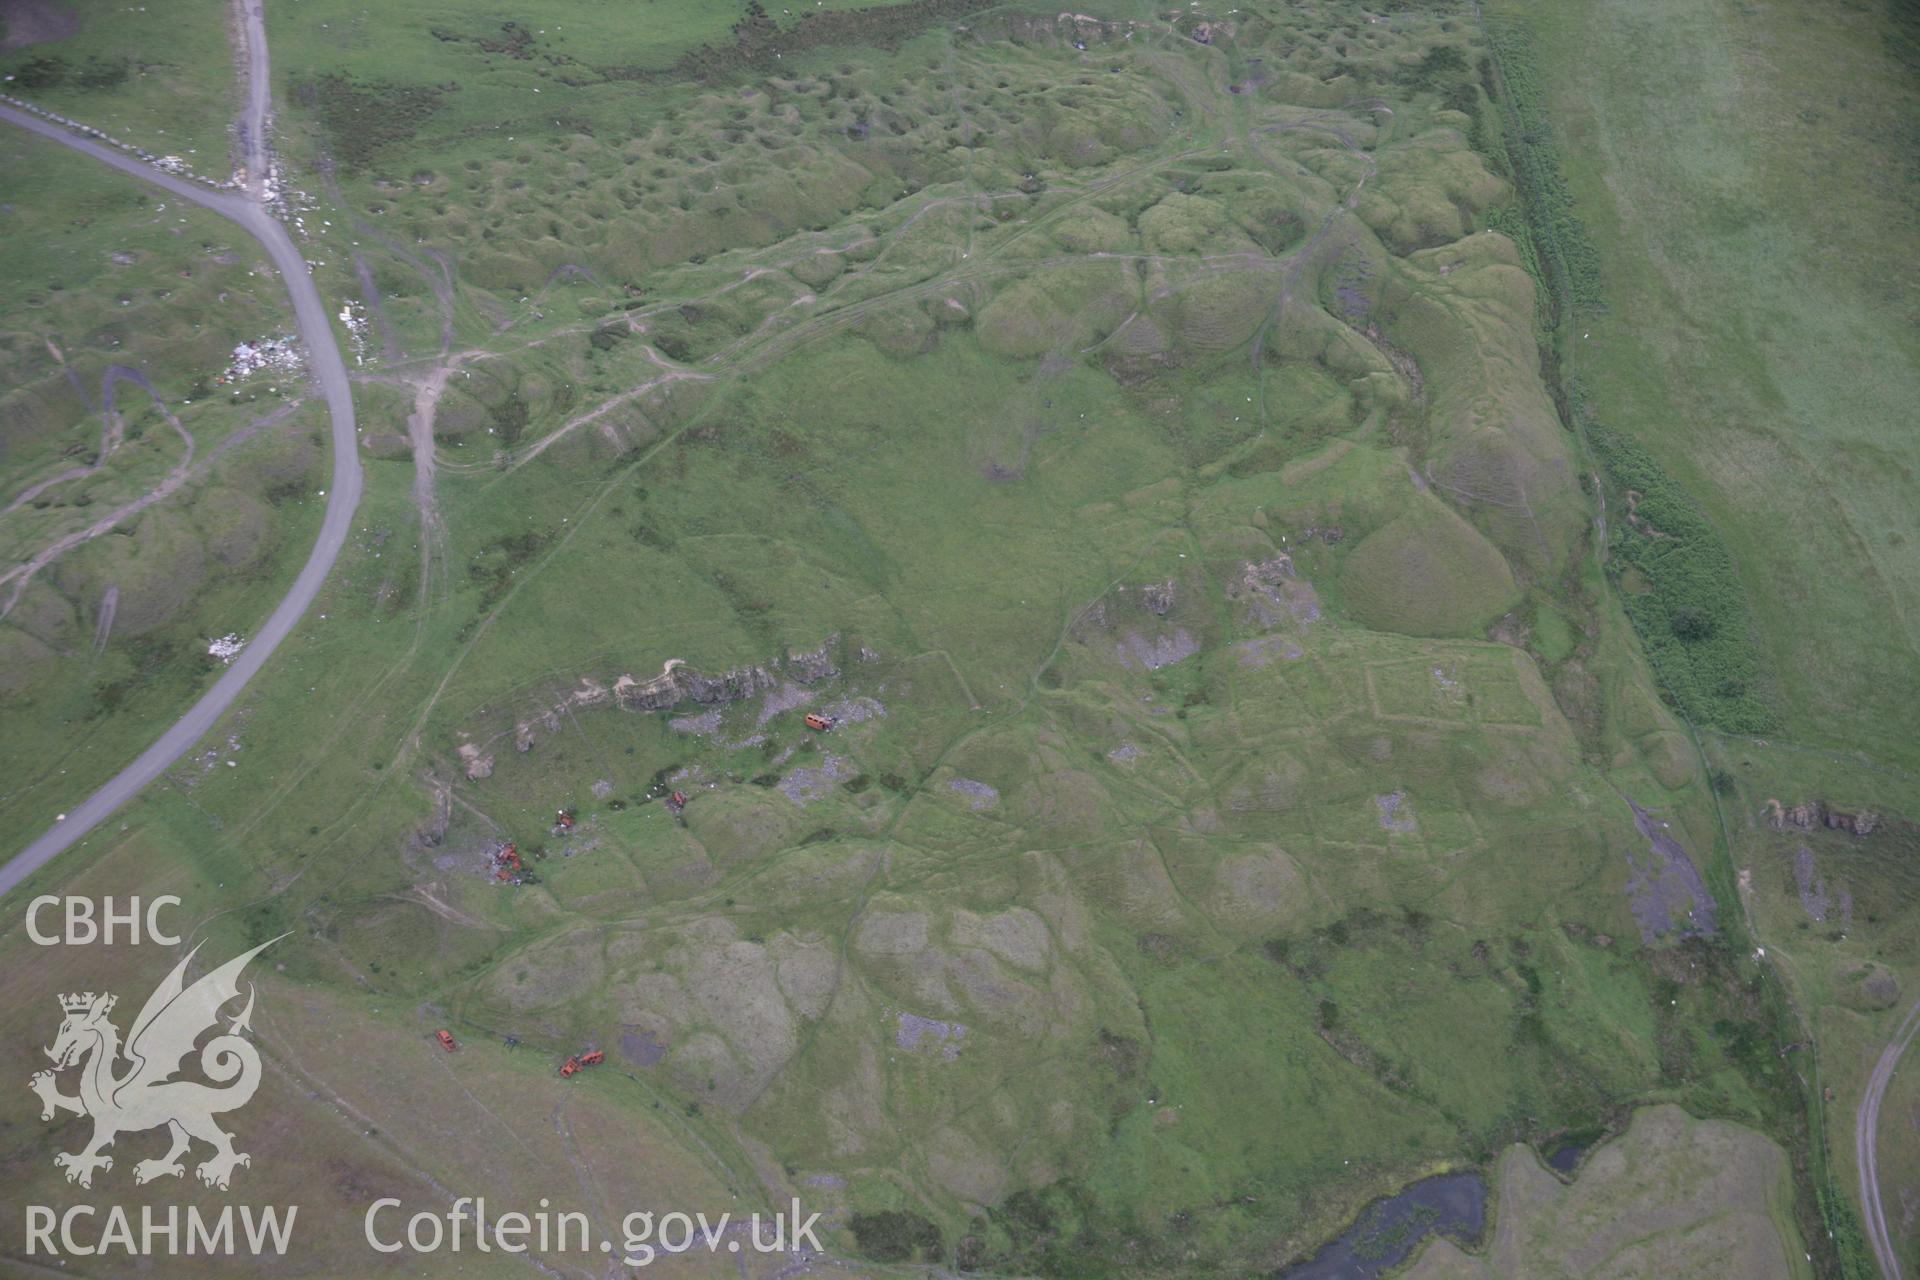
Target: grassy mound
[{"x": 1427, "y": 573}]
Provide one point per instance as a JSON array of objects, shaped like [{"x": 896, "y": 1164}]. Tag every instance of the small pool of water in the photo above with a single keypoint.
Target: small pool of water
[
  {"x": 1564, "y": 1159},
  {"x": 1388, "y": 1231}
]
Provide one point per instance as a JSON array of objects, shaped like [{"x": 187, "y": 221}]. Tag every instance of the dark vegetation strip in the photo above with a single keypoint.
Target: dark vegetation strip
[
  {"x": 1686, "y": 604},
  {"x": 760, "y": 43},
  {"x": 363, "y": 119},
  {"x": 1677, "y": 578},
  {"x": 1560, "y": 238},
  {"x": 50, "y": 71},
  {"x": 756, "y": 43},
  {"x": 1691, "y": 618}
]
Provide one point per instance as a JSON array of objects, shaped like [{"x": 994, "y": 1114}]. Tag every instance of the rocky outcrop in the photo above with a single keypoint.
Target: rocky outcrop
[
  {"x": 430, "y": 833},
  {"x": 810, "y": 666},
  {"x": 476, "y": 763},
  {"x": 1158, "y": 597},
  {"x": 1269, "y": 593},
  {"x": 1262, "y": 573},
  {"x": 680, "y": 683},
  {"x": 677, "y": 684},
  {"x": 1815, "y": 813}
]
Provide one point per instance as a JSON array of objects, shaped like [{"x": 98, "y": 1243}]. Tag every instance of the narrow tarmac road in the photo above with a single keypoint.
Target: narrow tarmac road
[
  {"x": 1866, "y": 1140},
  {"x": 343, "y": 495}
]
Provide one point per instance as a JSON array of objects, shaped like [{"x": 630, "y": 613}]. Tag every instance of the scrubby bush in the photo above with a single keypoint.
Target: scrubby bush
[
  {"x": 895, "y": 1235},
  {"x": 1692, "y": 619}
]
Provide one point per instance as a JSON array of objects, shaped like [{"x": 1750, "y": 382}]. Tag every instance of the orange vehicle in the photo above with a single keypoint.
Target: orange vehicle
[
  {"x": 593, "y": 1059},
  {"x": 819, "y": 723},
  {"x": 568, "y": 1067},
  {"x": 507, "y": 865},
  {"x": 446, "y": 1040}
]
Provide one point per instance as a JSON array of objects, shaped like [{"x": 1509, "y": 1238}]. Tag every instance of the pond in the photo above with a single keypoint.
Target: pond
[
  {"x": 1388, "y": 1231},
  {"x": 1566, "y": 1158}
]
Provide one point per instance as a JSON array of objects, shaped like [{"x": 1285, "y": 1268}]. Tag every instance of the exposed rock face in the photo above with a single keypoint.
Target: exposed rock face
[
  {"x": 1859, "y": 824},
  {"x": 1812, "y": 885},
  {"x": 477, "y": 763},
  {"x": 1150, "y": 653},
  {"x": 1815, "y": 813},
  {"x": 1665, "y": 891},
  {"x": 434, "y": 830},
  {"x": 680, "y": 683},
  {"x": 1814, "y": 896},
  {"x": 810, "y": 666},
  {"x": 676, "y": 684},
  {"x": 1270, "y": 593},
  {"x": 1256, "y": 574},
  {"x": 1158, "y": 597}
]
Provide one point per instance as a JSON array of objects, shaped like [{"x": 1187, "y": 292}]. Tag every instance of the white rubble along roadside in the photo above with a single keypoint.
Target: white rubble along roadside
[
  {"x": 227, "y": 647},
  {"x": 356, "y": 326},
  {"x": 262, "y": 353},
  {"x": 167, "y": 164}
]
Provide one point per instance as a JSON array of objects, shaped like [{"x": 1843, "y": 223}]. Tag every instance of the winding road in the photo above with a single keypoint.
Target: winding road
[
  {"x": 1866, "y": 1143},
  {"x": 343, "y": 495}
]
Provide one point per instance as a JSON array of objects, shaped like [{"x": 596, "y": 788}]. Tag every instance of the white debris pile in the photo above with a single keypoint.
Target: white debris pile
[
  {"x": 227, "y": 647},
  {"x": 286, "y": 201},
  {"x": 356, "y": 325},
  {"x": 262, "y": 353},
  {"x": 172, "y": 164}
]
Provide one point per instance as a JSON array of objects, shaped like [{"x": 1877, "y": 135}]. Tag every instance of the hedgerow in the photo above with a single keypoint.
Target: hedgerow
[
  {"x": 1684, "y": 598},
  {"x": 1565, "y": 248}
]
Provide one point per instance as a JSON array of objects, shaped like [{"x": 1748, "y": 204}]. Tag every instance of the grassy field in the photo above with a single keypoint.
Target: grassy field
[
  {"x": 159, "y": 76},
  {"x": 1134, "y": 432},
  {"x": 1753, "y": 330},
  {"x": 1672, "y": 1196}
]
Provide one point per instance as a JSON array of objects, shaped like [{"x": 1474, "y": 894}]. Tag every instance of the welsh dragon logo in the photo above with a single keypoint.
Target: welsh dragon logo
[{"x": 146, "y": 1095}]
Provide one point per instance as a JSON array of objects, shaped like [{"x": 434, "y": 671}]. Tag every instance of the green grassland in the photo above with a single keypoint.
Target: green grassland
[
  {"x": 159, "y": 76},
  {"x": 1751, "y": 337},
  {"x": 1135, "y": 431}
]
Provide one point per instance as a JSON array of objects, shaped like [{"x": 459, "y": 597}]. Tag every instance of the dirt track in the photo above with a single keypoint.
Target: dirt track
[
  {"x": 20, "y": 575},
  {"x": 1866, "y": 1137},
  {"x": 343, "y": 494}
]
